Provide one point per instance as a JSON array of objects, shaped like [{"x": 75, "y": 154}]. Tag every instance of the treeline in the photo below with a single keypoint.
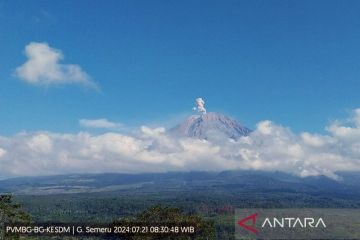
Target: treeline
[
  {"x": 216, "y": 207},
  {"x": 11, "y": 212}
]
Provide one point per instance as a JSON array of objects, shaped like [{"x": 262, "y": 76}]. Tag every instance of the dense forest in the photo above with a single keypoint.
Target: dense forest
[
  {"x": 208, "y": 199},
  {"x": 216, "y": 210}
]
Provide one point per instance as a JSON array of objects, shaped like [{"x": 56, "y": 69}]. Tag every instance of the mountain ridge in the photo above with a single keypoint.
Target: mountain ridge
[
  {"x": 210, "y": 125},
  {"x": 182, "y": 181}
]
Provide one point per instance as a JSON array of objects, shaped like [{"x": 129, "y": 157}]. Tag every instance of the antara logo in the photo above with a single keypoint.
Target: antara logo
[
  {"x": 287, "y": 222},
  {"x": 251, "y": 228},
  {"x": 291, "y": 222}
]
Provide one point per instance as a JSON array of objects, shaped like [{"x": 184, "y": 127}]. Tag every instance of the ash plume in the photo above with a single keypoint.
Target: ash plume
[{"x": 200, "y": 106}]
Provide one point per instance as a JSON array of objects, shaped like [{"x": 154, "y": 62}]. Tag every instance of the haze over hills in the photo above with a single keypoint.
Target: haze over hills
[
  {"x": 210, "y": 125},
  {"x": 226, "y": 181}
]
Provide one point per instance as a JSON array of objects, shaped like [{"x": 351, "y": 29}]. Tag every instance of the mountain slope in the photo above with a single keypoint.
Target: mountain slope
[
  {"x": 210, "y": 125},
  {"x": 227, "y": 182}
]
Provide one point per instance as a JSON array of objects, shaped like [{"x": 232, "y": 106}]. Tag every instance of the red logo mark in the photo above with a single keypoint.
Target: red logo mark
[{"x": 248, "y": 227}]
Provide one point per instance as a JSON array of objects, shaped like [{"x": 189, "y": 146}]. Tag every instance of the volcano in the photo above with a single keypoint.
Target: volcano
[{"x": 210, "y": 125}]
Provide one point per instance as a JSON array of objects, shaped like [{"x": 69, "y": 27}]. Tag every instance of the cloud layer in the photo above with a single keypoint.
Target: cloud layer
[
  {"x": 269, "y": 147},
  {"x": 43, "y": 67},
  {"x": 101, "y": 123}
]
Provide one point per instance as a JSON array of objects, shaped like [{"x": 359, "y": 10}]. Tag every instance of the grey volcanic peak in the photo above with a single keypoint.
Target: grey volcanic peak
[{"x": 210, "y": 125}]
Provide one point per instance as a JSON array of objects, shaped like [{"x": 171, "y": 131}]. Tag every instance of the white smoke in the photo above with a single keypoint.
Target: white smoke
[{"x": 200, "y": 106}]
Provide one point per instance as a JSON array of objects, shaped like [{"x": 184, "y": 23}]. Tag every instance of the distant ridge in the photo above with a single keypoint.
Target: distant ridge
[
  {"x": 228, "y": 182},
  {"x": 209, "y": 124}
]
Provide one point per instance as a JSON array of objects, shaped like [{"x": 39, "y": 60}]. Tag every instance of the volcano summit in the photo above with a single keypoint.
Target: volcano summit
[{"x": 209, "y": 125}]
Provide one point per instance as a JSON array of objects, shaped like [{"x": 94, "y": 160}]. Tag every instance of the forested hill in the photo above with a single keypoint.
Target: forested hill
[{"x": 226, "y": 181}]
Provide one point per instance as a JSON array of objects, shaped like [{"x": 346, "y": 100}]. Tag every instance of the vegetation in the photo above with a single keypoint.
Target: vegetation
[
  {"x": 11, "y": 212},
  {"x": 174, "y": 219},
  {"x": 206, "y": 198},
  {"x": 216, "y": 205}
]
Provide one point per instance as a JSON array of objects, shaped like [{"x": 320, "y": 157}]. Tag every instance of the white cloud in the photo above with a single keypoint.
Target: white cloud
[
  {"x": 2, "y": 152},
  {"x": 43, "y": 67},
  {"x": 356, "y": 118},
  {"x": 269, "y": 147},
  {"x": 41, "y": 143},
  {"x": 100, "y": 123}
]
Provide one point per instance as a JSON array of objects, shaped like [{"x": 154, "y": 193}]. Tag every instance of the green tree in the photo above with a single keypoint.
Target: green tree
[
  {"x": 157, "y": 215},
  {"x": 11, "y": 212}
]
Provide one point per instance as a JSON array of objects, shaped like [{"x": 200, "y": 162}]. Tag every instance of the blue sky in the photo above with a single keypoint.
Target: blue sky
[{"x": 296, "y": 63}]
